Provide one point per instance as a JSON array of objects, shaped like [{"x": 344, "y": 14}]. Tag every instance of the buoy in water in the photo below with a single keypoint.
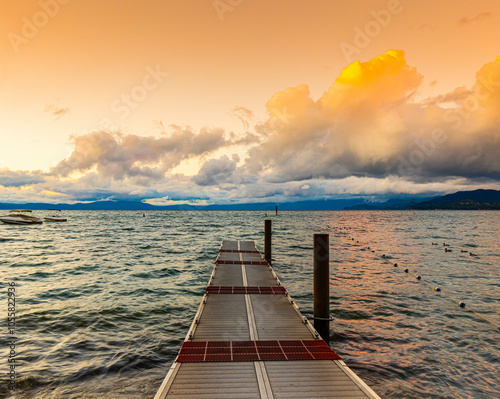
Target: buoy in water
[
  {"x": 406, "y": 270},
  {"x": 395, "y": 265},
  {"x": 461, "y": 304},
  {"x": 143, "y": 215},
  {"x": 419, "y": 277},
  {"x": 437, "y": 289}
]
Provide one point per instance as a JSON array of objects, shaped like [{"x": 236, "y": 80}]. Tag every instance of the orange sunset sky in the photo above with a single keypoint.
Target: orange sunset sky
[{"x": 221, "y": 101}]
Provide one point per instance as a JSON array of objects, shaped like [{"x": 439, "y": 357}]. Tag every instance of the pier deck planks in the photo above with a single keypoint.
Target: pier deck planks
[{"x": 253, "y": 317}]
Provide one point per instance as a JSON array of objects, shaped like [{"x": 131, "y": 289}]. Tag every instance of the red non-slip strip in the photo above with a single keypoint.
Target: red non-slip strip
[
  {"x": 251, "y": 351},
  {"x": 245, "y": 290},
  {"x": 243, "y": 251},
  {"x": 240, "y": 262}
]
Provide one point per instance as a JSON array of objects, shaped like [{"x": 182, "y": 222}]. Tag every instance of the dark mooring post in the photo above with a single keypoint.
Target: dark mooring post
[
  {"x": 322, "y": 285},
  {"x": 267, "y": 240}
]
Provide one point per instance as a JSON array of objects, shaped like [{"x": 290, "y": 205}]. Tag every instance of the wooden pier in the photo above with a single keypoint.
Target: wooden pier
[{"x": 249, "y": 340}]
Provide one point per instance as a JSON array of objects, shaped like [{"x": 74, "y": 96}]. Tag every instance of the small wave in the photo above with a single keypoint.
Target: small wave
[
  {"x": 302, "y": 247},
  {"x": 28, "y": 383},
  {"x": 147, "y": 246},
  {"x": 39, "y": 275},
  {"x": 351, "y": 315},
  {"x": 39, "y": 264},
  {"x": 68, "y": 293},
  {"x": 165, "y": 272},
  {"x": 43, "y": 246}
]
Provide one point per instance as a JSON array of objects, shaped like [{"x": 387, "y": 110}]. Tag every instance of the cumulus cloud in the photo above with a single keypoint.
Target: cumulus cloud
[
  {"x": 367, "y": 124},
  {"x": 11, "y": 178},
  {"x": 216, "y": 171},
  {"x": 459, "y": 94},
  {"x": 245, "y": 139},
  {"x": 117, "y": 155}
]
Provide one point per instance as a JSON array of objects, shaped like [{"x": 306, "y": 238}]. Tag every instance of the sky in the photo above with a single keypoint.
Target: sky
[{"x": 233, "y": 101}]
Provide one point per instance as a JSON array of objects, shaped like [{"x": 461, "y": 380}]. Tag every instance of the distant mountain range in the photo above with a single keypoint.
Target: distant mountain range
[
  {"x": 462, "y": 200},
  {"x": 465, "y": 200},
  {"x": 392, "y": 204},
  {"x": 331, "y": 204}
]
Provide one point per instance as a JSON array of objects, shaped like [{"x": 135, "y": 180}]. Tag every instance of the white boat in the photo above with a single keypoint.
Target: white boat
[
  {"x": 55, "y": 218},
  {"x": 17, "y": 216}
]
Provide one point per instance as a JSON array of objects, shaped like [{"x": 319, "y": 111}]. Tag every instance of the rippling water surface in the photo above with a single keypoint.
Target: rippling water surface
[{"x": 105, "y": 300}]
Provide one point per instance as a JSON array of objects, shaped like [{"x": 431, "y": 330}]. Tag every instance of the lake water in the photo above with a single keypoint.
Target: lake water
[{"x": 103, "y": 302}]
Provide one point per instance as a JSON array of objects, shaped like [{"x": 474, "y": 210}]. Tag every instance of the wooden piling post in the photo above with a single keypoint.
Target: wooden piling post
[
  {"x": 267, "y": 239},
  {"x": 322, "y": 285}
]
